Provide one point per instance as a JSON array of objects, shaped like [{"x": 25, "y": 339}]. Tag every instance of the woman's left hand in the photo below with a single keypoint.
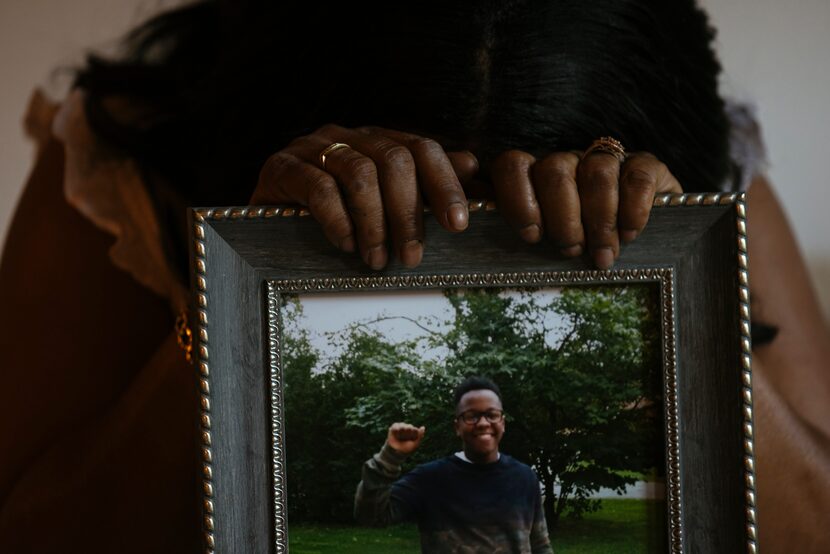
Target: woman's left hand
[{"x": 592, "y": 202}]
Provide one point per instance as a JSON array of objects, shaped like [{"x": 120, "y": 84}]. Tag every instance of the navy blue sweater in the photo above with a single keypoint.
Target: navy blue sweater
[{"x": 459, "y": 506}]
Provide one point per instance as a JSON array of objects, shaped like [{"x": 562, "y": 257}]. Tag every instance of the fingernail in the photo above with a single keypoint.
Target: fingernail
[
  {"x": 628, "y": 235},
  {"x": 347, "y": 244},
  {"x": 411, "y": 253},
  {"x": 457, "y": 216},
  {"x": 531, "y": 233},
  {"x": 572, "y": 251},
  {"x": 604, "y": 258},
  {"x": 376, "y": 257}
]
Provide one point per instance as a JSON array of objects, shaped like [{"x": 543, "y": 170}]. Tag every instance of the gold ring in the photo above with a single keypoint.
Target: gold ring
[
  {"x": 329, "y": 149},
  {"x": 608, "y": 145}
]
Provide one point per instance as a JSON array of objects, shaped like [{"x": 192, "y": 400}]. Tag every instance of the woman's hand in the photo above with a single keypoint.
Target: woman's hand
[
  {"x": 592, "y": 202},
  {"x": 369, "y": 195}
]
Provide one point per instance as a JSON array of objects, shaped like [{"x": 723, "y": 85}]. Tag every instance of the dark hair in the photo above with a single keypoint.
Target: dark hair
[
  {"x": 475, "y": 383},
  {"x": 225, "y": 83}
]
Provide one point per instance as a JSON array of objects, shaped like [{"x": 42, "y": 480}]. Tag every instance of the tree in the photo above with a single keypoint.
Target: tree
[
  {"x": 579, "y": 374},
  {"x": 324, "y": 452},
  {"x": 582, "y": 402}
]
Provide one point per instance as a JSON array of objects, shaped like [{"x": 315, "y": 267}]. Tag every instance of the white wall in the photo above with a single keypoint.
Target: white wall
[
  {"x": 777, "y": 55},
  {"x": 774, "y": 54},
  {"x": 37, "y": 39}
]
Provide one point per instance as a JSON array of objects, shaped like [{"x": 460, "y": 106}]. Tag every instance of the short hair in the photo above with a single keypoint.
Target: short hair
[{"x": 472, "y": 383}]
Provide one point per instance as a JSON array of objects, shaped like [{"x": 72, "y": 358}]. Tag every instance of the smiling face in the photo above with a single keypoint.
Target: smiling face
[{"x": 481, "y": 439}]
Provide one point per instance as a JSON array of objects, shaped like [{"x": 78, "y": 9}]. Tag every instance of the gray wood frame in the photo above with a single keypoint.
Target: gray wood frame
[{"x": 694, "y": 247}]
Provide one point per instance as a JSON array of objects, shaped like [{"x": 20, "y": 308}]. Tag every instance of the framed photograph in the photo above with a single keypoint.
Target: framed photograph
[{"x": 624, "y": 394}]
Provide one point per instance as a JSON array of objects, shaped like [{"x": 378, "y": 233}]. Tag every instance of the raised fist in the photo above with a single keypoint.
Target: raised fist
[{"x": 405, "y": 438}]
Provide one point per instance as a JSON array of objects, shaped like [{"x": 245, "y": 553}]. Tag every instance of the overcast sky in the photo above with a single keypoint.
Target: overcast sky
[{"x": 326, "y": 313}]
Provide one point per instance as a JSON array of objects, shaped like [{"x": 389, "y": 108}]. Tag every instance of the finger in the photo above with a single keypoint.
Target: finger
[
  {"x": 554, "y": 180},
  {"x": 436, "y": 176},
  {"x": 400, "y": 426},
  {"x": 397, "y": 178},
  {"x": 597, "y": 180},
  {"x": 639, "y": 178},
  {"x": 467, "y": 168},
  {"x": 514, "y": 193},
  {"x": 402, "y": 201},
  {"x": 407, "y": 433},
  {"x": 465, "y": 165},
  {"x": 357, "y": 176},
  {"x": 286, "y": 178}
]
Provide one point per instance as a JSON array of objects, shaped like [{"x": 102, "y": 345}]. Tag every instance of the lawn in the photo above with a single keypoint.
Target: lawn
[
  {"x": 306, "y": 539},
  {"x": 621, "y": 527}
]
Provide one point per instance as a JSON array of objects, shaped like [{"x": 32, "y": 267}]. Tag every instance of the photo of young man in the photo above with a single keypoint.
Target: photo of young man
[{"x": 478, "y": 500}]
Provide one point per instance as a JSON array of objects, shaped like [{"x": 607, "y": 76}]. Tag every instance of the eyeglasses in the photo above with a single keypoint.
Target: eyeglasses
[{"x": 471, "y": 418}]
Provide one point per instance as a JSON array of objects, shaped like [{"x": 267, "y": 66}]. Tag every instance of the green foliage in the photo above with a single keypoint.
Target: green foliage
[{"x": 582, "y": 395}]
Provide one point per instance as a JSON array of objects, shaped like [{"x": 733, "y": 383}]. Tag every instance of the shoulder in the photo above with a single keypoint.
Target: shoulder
[
  {"x": 428, "y": 473},
  {"x": 440, "y": 465},
  {"x": 510, "y": 461},
  {"x": 520, "y": 469}
]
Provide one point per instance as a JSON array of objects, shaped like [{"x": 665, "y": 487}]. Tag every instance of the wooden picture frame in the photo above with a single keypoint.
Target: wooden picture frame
[{"x": 693, "y": 249}]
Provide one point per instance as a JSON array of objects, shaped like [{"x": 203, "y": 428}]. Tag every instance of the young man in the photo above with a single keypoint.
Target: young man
[{"x": 475, "y": 501}]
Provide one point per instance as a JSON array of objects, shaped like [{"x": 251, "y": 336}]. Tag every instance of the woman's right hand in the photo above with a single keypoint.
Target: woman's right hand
[{"x": 370, "y": 194}]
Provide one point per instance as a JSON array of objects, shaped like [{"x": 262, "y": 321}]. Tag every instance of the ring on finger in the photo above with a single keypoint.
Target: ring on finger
[
  {"x": 609, "y": 145},
  {"x": 329, "y": 149}
]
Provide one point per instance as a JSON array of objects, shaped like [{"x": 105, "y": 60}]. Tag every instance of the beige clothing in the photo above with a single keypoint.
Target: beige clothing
[
  {"x": 99, "y": 429},
  {"x": 109, "y": 191}
]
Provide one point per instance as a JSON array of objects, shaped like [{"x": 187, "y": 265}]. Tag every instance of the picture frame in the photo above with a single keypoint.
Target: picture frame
[{"x": 693, "y": 249}]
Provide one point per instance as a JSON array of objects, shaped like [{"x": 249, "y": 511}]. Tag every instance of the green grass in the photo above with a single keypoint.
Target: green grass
[
  {"x": 323, "y": 539},
  {"x": 623, "y": 526}
]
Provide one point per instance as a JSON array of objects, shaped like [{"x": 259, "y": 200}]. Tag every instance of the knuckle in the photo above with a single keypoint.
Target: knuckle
[
  {"x": 557, "y": 169},
  {"x": 601, "y": 228},
  {"x": 297, "y": 141},
  {"x": 447, "y": 191},
  {"x": 635, "y": 216},
  {"x": 598, "y": 177},
  {"x": 639, "y": 181},
  {"x": 322, "y": 189},
  {"x": 276, "y": 165},
  {"x": 512, "y": 161},
  {"x": 334, "y": 221},
  {"x": 407, "y": 228},
  {"x": 426, "y": 146},
  {"x": 373, "y": 235},
  {"x": 329, "y": 129},
  {"x": 395, "y": 156},
  {"x": 360, "y": 173}
]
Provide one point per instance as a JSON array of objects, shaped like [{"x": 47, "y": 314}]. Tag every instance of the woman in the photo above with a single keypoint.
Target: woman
[{"x": 220, "y": 103}]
